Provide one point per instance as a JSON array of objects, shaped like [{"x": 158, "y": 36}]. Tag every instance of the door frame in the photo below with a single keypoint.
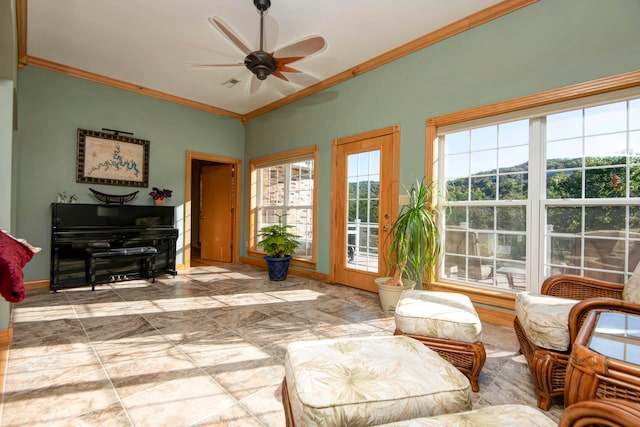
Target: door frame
[
  {"x": 393, "y": 193},
  {"x": 192, "y": 155}
]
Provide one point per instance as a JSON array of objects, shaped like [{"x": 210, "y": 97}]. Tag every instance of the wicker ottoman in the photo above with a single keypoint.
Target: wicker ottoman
[
  {"x": 447, "y": 323},
  {"x": 368, "y": 381}
]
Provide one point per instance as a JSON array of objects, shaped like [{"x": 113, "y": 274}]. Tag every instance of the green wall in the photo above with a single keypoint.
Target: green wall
[
  {"x": 8, "y": 72},
  {"x": 52, "y": 106},
  {"x": 550, "y": 44}
]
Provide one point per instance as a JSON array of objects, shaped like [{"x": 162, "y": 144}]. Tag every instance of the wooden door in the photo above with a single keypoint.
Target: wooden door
[
  {"x": 216, "y": 212},
  {"x": 364, "y": 204}
]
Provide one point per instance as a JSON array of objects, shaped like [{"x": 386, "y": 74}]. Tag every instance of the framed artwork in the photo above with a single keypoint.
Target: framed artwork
[{"x": 112, "y": 159}]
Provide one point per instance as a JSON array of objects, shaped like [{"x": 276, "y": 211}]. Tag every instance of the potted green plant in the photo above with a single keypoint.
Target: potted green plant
[
  {"x": 279, "y": 244},
  {"x": 414, "y": 244}
]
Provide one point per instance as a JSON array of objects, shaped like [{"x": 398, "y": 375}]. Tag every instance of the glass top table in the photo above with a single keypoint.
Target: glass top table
[
  {"x": 605, "y": 357},
  {"x": 617, "y": 335}
]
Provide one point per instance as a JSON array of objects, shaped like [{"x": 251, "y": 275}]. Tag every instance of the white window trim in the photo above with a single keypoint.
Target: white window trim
[
  {"x": 537, "y": 192},
  {"x": 293, "y": 156}
]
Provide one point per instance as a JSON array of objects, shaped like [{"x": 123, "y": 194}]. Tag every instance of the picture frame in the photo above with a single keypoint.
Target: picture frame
[{"x": 112, "y": 159}]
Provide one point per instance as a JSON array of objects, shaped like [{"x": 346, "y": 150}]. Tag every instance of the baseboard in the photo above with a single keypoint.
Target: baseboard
[
  {"x": 309, "y": 274},
  {"x": 492, "y": 315},
  {"x": 36, "y": 284},
  {"x": 6, "y": 338}
]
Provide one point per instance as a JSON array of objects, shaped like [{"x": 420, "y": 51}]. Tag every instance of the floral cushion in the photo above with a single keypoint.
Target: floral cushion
[
  {"x": 369, "y": 381},
  {"x": 499, "y": 415},
  {"x": 443, "y": 315},
  {"x": 545, "y": 319}
]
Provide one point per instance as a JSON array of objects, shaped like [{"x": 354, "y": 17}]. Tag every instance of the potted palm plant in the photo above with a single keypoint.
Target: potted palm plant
[
  {"x": 414, "y": 246},
  {"x": 279, "y": 244}
]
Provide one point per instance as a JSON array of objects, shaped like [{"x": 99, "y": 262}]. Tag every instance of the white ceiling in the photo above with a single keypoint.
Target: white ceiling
[{"x": 155, "y": 43}]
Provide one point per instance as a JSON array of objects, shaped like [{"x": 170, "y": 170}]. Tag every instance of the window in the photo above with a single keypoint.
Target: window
[
  {"x": 283, "y": 190},
  {"x": 542, "y": 192}
]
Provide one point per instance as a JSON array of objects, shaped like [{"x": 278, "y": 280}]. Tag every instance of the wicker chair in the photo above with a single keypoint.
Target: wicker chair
[
  {"x": 548, "y": 367},
  {"x": 605, "y": 412}
]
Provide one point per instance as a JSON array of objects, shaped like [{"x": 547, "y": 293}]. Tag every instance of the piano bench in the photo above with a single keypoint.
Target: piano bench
[{"x": 147, "y": 255}]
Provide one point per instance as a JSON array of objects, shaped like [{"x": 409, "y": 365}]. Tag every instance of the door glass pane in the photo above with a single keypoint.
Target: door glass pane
[{"x": 362, "y": 210}]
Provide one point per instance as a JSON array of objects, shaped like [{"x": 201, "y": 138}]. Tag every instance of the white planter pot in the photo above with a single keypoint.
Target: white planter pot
[{"x": 389, "y": 295}]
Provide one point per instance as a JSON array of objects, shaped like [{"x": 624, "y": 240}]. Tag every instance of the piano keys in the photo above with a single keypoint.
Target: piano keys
[{"x": 78, "y": 227}]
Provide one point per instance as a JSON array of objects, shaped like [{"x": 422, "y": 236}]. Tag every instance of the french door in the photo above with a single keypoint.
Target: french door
[{"x": 364, "y": 203}]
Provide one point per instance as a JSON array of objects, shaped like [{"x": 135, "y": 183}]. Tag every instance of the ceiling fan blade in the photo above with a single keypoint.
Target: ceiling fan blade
[
  {"x": 302, "y": 48},
  {"x": 255, "y": 85},
  {"x": 302, "y": 79},
  {"x": 219, "y": 25},
  {"x": 278, "y": 74},
  {"x": 215, "y": 65}
]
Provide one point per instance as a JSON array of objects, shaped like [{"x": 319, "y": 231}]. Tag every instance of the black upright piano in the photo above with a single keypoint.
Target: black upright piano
[{"x": 77, "y": 227}]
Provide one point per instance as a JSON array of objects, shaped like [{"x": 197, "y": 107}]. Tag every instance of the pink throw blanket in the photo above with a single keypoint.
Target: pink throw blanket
[{"x": 13, "y": 256}]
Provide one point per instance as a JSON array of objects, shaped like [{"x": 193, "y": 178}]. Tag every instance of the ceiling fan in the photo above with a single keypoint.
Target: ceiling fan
[{"x": 263, "y": 64}]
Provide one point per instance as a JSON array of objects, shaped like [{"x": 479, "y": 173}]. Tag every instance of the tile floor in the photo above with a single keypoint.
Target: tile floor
[{"x": 205, "y": 348}]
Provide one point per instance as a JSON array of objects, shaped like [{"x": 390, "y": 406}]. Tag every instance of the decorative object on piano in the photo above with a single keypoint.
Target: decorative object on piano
[
  {"x": 14, "y": 254},
  {"x": 112, "y": 159},
  {"x": 159, "y": 195},
  {"x": 280, "y": 245},
  {"x": 61, "y": 197},
  {"x": 114, "y": 198},
  {"x": 73, "y": 198}
]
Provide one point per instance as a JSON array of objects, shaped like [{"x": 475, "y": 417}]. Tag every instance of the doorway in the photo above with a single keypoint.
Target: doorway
[
  {"x": 365, "y": 203},
  {"x": 211, "y": 205}
]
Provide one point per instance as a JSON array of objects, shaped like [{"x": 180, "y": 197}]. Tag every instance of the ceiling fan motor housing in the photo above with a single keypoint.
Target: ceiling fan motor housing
[{"x": 260, "y": 63}]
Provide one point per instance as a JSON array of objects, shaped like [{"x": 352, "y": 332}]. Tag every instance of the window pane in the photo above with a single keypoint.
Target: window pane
[
  {"x": 481, "y": 218},
  {"x": 456, "y": 166},
  {"x": 457, "y": 142},
  {"x": 634, "y": 182},
  {"x": 564, "y": 219},
  {"x": 634, "y": 147},
  {"x": 458, "y": 189},
  {"x": 605, "y": 183},
  {"x": 483, "y": 138},
  {"x": 605, "y": 218},
  {"x": 511, "y": 247},
  {"x": 352, "y": 210},
  {"x": 514, "y": 159},
  {"x": 605, "y": 118},
  {"x": 564, "y": 154},
  {"x": 634, "y": 114},
  {"x": 483, "y": 188},
  {"x": 564, "y": 185},
  {"x": 606, "y": 150},
  {"x": 374, "y": 187},
  {"x": 564, "y": 125},
  {"x": 565, "y": 250},
  {"x": 456, "y": 216},
  {"x": 634, "y": 218},
  {"x": 514, "y": 133},
  {"x": 512, "y": 218},
  {"x": 484, "y": 161},
  {"x": 514, "y": 186}
]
